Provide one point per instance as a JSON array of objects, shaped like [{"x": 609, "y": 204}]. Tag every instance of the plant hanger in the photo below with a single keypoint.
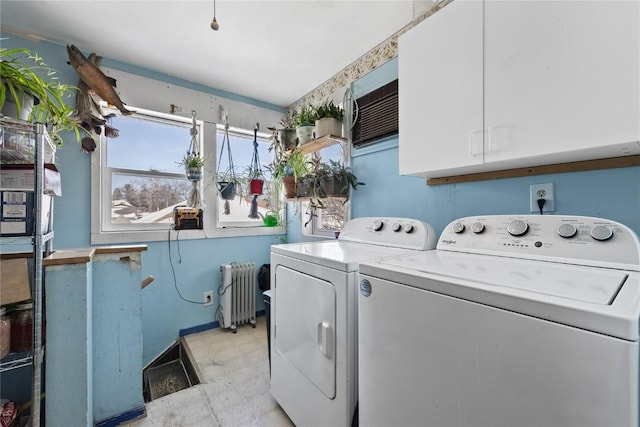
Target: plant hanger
[
  {"x": 226, "y": 182},
  {"x": 255, "y": 176},
  {"x": 194, "y": 174}
]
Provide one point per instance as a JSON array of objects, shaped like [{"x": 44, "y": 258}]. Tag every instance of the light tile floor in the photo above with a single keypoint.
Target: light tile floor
[{"x": 234, "y": 370}]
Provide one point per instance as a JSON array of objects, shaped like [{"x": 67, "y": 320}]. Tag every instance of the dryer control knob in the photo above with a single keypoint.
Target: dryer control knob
[
  {"x": 477, "y": 227},
  {"x": 408, "y": 228},
  {"x": 458, "y": 227},
  {"x": 567, "y": 230},
  {"x": 377, "y": 225},
  {"x": 518, "y": 227},
  {"x": 601, "y": 232},
  {"x": 396, "y": 227}
]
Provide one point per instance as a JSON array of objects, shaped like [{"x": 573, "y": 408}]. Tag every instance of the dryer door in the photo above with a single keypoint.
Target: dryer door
[{"x": 306, "y": 333}]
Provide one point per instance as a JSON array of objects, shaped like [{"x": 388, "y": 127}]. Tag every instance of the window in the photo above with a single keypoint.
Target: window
[
  {"x": 137, "y": 180},
  {"x": 236, "y": 212},
  {"x": 329, "y": 219}
]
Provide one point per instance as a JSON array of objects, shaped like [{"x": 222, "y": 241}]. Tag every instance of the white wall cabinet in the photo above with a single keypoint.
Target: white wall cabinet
[{"x": 497, "y": 85}]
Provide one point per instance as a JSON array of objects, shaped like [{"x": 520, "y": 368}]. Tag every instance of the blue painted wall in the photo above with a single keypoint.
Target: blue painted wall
[
  {"x": 610, "y": 193},
  {"x": 164, "y": 314}
]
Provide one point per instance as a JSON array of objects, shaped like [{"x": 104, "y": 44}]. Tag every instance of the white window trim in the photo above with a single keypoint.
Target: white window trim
[{"x": 209, "y": 192}]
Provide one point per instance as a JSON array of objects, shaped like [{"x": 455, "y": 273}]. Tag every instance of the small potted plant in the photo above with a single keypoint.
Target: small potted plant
[
  {"x": 193, "y": 163},
  {"x": 304, "y": 123},
  {"x": 228, "y": 186},
  {"x": 22, "y": 86},
  {"x": 329, "y": 119},
  {"x": 336, "y": 179},
  {"x": 286, "y": 134},
  {"x": 308, "y": 186}
]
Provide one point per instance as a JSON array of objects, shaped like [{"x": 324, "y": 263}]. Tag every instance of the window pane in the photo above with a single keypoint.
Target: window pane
[
  {"x": 145, "y": 200},
  {"x": 147, "y": 145},
  {"x": 239, "y": 208},
  {"x": 332, "y": 216}
]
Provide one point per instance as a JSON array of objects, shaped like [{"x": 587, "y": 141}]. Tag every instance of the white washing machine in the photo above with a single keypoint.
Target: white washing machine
[
  {"x": 313, "y": 315},
  {"x": 512, "y": 321}
]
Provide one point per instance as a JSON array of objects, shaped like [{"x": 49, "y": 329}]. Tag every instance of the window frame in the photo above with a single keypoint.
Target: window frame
[
  {"x": 313, "y": 228},
  {"x": 278, "y": 194},
  {"x": 101, "y": 193}
]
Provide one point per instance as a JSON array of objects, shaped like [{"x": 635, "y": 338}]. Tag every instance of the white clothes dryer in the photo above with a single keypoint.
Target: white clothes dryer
[
  {"x": 314, "y": 314},
  {"x": 511, "y": 321}
]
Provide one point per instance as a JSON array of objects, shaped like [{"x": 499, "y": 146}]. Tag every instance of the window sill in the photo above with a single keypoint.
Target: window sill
[{"x": 162, "y": 235}]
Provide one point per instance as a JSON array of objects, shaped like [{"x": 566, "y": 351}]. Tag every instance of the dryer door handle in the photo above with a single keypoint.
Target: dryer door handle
[{"x": 325, "y": 339}]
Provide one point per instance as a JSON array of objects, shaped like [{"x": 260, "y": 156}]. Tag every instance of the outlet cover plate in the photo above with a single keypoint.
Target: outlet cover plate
[
  {"x": 207, "y": 298},
  {"x": 549, "y": 205}
]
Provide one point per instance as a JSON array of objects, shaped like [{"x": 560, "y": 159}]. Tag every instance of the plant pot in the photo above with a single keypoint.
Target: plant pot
[
  {"x": 328, "y": 126},
  {"x": 194, "y": 174},
  {"x": 289, "y": 184},
  {"x": 288, "y": 138},
  {"x": 334, "y": 186},
  {"x": 10, "y": 108},
  {"x": 227, "y": 190},
  {"x": 255, "y": 186},
  {"x": 304, "y": 187},
  {"x": 304, "y": 134}
]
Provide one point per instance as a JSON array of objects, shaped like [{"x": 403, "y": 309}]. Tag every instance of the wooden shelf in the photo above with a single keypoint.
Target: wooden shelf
[
  {"x": 320, "y": 143},
  {"x": 585, "y": 165}
]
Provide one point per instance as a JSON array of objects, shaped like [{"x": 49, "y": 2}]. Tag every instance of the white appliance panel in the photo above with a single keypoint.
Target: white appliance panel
[
  {"x": 430, "y": 359},
  {"x": 300, "y": 397},
  {"x": 340, "y": 255},
  {"x": 306, "y": 318},
  {"x": 594, "y": 285},
  {"x": 314, "y": 364}
]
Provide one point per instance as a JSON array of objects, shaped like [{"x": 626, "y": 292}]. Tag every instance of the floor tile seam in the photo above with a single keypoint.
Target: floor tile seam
[
  {"x": 208, "y": 406},
  {"x": 245, "y": 403},
  {"x": 244, "y": 398}
]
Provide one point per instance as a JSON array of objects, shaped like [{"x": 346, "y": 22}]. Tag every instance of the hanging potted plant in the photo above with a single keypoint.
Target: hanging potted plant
[
  {"x": 329, "y": 119},
  {"x": 304, "y": 123},
  {"x": 193, "y": 164},
  {"x": 227, "y": 182},
  {"x": 255, "y": 176}
]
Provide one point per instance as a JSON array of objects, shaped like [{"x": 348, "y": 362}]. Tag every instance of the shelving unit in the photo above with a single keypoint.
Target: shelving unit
[
  {"x": 41, "y": 244},
  {"x": 320, "y": 143}
]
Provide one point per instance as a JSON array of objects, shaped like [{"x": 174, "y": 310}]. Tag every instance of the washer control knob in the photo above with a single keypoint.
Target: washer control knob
[
  {"x": 518, "y": 227},
  {"x": 408, "y": 228},
  {"x": 458, "y": 227},
  {"x": 477, "y": 227},
  {"x": 377, "y": 225},
  {"x": 567, "y": 230},
  {"x": 601, "y": 232},
  {"x": 396, "y": 227}
]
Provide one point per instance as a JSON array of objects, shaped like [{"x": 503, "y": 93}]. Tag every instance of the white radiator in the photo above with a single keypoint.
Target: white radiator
[{"x": 237, "y": 295}]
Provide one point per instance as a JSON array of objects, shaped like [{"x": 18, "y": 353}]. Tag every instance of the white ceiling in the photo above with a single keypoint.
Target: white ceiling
[{"x": 274, "y": 51}]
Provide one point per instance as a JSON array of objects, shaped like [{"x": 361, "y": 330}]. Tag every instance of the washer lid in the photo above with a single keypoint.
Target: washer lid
[
  {"x": 337, "y": 254},
  {"x": 592, "y": 298},
  {"x": 599, "y": 286}
]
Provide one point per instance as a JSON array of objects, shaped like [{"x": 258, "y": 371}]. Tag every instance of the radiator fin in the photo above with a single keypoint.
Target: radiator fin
[{"x": 237, "y": 292}]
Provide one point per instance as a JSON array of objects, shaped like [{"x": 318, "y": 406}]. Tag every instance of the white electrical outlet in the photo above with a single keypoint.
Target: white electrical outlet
[
  {"x": 542, "y": 191},
  {"x": 208, "y": 298}
]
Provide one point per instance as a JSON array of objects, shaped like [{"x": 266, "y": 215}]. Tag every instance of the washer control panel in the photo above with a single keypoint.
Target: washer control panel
[
  {"x": 397, "y": 232},
  {"x": 574, "y": 239}
]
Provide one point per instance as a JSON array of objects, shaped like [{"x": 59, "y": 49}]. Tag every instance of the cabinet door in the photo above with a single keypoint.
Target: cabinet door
[
  {"x": 440, "y": 92},
  {"x": 562, "y": 80}
]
